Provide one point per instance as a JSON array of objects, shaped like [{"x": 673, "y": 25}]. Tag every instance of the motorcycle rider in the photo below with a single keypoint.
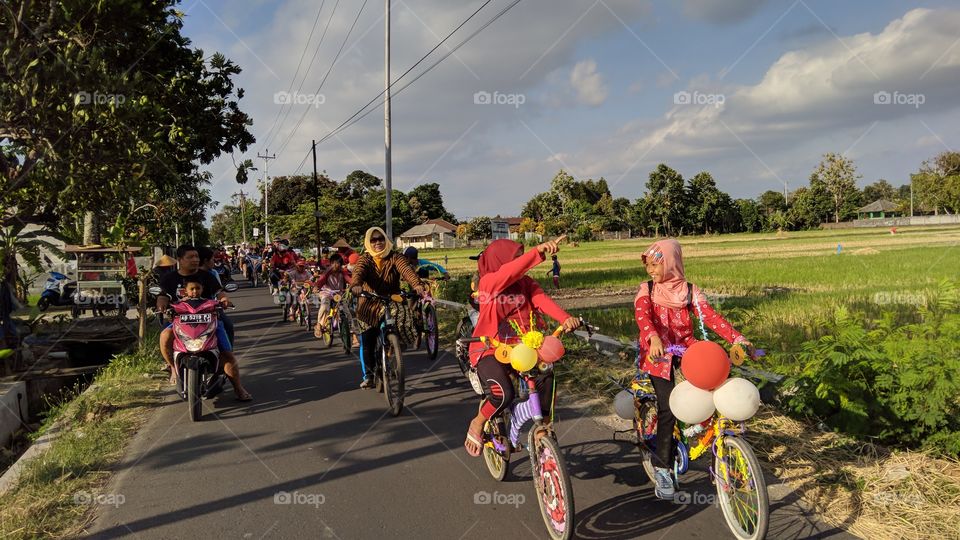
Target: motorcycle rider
[
  {"x": 188, "y": 260},
  {"x": 207, "y": 258},
  {"x": 282, "y": 260}
]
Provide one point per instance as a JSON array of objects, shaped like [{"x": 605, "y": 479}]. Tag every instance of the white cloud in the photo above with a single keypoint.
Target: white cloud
[{"x": 588, "y": 84}]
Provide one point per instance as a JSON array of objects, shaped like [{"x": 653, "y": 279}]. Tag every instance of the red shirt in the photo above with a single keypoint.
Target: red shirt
[
  {"x": 530, "y": 297},
  {"x": 674, "y": 326},
  {"x": 283, "y": 261}
]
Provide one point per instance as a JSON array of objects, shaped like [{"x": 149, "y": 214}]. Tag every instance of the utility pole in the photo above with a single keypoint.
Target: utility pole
[
  {"x": 316, "y": 198},
  {"x": 243, "y": 219},
  {"x": 266, "y": 187},
  {"x": 911, "y": 196},
  {"x": 386, "y": 128}
]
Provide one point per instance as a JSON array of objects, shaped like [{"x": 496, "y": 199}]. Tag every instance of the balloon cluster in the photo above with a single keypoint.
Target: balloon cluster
[
  {"x": 534, "y": 347},
  {"x": 708, "y": 388}
]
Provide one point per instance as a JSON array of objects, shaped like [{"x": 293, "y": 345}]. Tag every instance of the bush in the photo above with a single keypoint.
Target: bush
[{"x": 899, "y": 384}]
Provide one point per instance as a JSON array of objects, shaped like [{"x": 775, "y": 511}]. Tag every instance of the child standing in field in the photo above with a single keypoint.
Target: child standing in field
[
  {"x": 663, "y": 314},
  {"x": 555, "y": 270}
]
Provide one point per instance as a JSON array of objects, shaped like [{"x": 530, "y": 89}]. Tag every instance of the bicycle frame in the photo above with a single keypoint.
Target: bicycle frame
[{"x": 520, "y": 414}]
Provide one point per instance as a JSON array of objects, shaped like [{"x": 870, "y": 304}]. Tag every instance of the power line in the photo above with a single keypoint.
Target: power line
[
  {"x": 424, "y": 57},
  {"x": 283, "y": 146},
  {"x": 346, "y": 124},
  {"x": 313, "y": 59}
]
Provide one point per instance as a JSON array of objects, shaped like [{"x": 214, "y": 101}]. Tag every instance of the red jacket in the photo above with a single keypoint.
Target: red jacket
[
  {"x": 283, "y": 261},
  {"x": 322, "y": 280},
  {"x": 530, "y": 296},
  {"x": 674, "y": 326}
]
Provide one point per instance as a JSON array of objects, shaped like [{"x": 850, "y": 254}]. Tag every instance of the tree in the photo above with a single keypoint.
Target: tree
[
  {"x": 772, "y": 201},
  {"x": 480, "y": 227},
  {"x": 881, "y": 189},
  {"x": 937, "y": 184},
  {"x": 358, "y": 185},
  {"x": 810, "y": 206},
  {"x": 289, "y": 192},
  {"x": 666, "y": 199},
  {"x": 839, "y": 176},
  {"x": 751, "y": 218},
  {"x": 542, "y": 206},
  {"x": 429, "y": 202},
  {"x": 93, "y": 119}
]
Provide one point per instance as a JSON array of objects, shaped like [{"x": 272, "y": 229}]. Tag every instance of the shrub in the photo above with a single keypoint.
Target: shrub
[{"x": 897, "y": 383}]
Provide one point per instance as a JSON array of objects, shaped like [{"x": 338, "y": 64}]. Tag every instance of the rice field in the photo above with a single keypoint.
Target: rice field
[{"x": 773, "y": 287}]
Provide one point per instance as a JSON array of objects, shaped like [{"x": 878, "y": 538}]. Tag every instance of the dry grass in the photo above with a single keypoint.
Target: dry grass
[{"x": 863, "y": 488}]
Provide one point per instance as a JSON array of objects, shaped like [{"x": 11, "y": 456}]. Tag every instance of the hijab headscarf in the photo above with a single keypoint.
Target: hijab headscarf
[
  {"x": 672, "y": 291},
  {"x": 498, "y": 253},
  {"x": 377, "y": 255}
]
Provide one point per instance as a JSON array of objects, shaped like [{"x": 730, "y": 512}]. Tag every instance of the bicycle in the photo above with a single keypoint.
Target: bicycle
[
  {"x": 551, "y": 480},
  {"x": 427, "y": 325},
  {"x": 337, "y": 323},
  {"x": 388, "y": 374},
  {"x": 735, "y": 470}
]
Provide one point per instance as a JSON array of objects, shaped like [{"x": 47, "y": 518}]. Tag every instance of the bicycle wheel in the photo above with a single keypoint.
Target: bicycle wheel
[
  {"x": 498, "y": 463},
  {"x": 327, "y": 332},
  {"x": 552, "y": 482},
  {"x": 464, "y": 330},
  {"x": 393, "y": 374},
  {"x": 345, "y": 335},
  {"x": 645, "y": 426},
  {"x": 741, "y": 489},
  {"x": 431, "y": 331}
]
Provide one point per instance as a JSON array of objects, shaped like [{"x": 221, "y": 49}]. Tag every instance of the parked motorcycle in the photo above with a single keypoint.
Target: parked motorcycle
[{"x": 58, "y": 290}]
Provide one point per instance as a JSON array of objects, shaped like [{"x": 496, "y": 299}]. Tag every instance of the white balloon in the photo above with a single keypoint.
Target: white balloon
[
  {"x": 737, "y": 399},
  {"x": 624, "y": 405},
  {"x": 690, "y": 404}
]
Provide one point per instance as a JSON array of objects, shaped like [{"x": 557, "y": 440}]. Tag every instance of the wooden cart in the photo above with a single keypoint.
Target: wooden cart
[{"x": 99, "y": 277}]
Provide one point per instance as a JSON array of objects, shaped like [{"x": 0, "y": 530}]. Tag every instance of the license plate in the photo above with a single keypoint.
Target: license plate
[{"x": 196, "y": 318}]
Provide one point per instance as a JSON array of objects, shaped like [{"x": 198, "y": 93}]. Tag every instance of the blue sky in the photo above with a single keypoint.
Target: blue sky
[{"x": 598, "y": 81}]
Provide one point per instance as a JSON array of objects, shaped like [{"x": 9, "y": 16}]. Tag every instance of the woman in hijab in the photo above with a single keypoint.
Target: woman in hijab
[
  {"x": 378, "y": 270},
  {"x": 506, "y": 294},
  {"x": 663, "y": 306}
]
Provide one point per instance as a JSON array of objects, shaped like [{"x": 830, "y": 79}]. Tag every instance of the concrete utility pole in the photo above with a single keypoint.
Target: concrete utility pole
[
  {"x": 316, "y": 198},
  {"x": 243, "y": 218},
  {"x": 388, "y": 166},
  {"x": 266, "y": 187}
]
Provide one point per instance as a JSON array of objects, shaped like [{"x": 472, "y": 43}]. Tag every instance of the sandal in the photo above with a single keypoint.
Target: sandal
[
  {"x": 475, "y": 438},
  {"x": 245, "y": 396}
]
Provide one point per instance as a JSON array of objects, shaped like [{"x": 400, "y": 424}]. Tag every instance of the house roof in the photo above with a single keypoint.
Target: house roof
[
  {"x": 427, "y": 229},
  {"x": 96, "y": 248},
  {"x": 443, "y": 223},
  {"x": 879, "y": 205},
  {"x": 510, "y": 221}
]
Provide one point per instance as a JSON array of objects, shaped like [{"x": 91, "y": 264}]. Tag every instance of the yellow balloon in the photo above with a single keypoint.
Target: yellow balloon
[{"x": 523, "y": 358}]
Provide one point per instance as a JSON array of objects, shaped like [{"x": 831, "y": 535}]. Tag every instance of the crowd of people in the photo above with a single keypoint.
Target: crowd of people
[{"x": 666, "y": 308}]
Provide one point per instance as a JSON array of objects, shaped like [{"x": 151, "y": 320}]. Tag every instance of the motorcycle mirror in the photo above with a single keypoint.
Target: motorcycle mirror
[
  {"x": 156, "y": 291},
  {"x": 231, "y": 287}
]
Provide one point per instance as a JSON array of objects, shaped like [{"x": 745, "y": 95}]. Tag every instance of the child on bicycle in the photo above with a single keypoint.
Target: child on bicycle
[
  {"x": 663, "y": 314},
  {"x": 505, "y": 294},
  {"x": 332, "y": 281}
]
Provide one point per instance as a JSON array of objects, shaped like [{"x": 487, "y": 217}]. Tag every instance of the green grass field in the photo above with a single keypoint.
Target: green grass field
[{"x": 773, "y": 287}]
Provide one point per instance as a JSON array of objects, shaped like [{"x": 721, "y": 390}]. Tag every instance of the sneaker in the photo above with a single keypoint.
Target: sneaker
[
  {"x": 663, "y": 488},
  {"x": 367, "y": 383}
]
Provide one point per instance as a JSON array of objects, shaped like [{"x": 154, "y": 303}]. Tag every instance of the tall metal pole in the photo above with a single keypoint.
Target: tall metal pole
[
  {"x": 316, "y": 198},
  {"x": 388, "y": 166},
  {"x": 266, "y": 187}
]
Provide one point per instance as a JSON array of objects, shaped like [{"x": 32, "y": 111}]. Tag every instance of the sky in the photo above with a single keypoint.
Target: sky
[{"x": 753, "y": 91}]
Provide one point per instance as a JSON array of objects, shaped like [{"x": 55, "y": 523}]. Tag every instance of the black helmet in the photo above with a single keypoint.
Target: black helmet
[{"x": 411, "y": 253}]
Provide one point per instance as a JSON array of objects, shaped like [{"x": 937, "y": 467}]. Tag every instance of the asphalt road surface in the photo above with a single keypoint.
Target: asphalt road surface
[{"x": 314, "y": 456}]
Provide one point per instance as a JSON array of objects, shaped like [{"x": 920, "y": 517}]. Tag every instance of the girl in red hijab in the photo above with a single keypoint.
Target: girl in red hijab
[
  {"x": 664, "y": 318},
  {"x": 506, "y": 294}
]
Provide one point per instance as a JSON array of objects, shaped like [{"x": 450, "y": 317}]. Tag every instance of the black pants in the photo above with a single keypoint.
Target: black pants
[
  {"x": 665, "y": 422},
  {"x": 499, "y": 387},
  {"x": 368, "y": 347}
]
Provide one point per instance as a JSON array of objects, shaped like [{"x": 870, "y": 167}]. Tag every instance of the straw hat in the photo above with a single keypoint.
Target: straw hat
[{"x": 166, "y": 260}]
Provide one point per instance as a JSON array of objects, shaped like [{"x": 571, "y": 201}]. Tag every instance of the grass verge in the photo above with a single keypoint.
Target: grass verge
[{"x": 57, "y": 491}]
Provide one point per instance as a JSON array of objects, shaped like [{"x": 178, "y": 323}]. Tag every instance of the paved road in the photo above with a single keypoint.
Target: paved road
[{"x": 314, "y": 438}]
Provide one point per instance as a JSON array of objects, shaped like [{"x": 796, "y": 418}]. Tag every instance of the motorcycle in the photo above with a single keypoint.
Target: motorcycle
[
  {"x": 253, "y": 269},
  {"x": 195, "y": 351},
  {"x": 57, "y": 291},
  {"x": 223, "y": 269}
]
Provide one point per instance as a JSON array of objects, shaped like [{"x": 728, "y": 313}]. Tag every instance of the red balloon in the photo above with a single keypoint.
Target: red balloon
[
  {"x": 551, "y": 350},
  {"x": 705, "y": 365},
  {"x": 353, "y": 258}
]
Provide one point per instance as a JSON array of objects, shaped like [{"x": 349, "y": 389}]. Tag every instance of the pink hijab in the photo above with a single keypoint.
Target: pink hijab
[{"x": 672, "y": 292}]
